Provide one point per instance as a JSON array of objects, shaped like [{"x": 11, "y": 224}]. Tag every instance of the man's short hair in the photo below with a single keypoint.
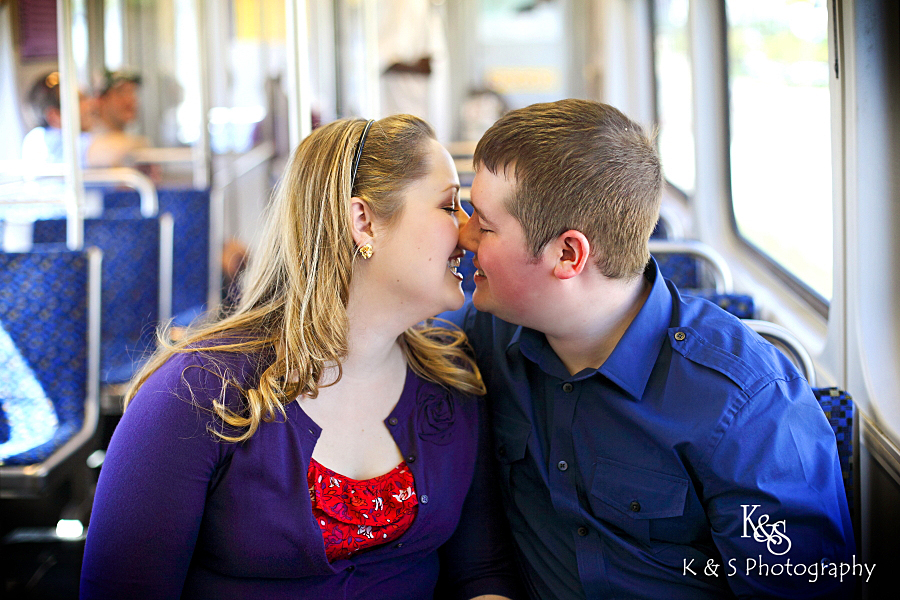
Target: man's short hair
[
  {"x": 111, "y": 79},
  {"x": 579, "y": 165}
]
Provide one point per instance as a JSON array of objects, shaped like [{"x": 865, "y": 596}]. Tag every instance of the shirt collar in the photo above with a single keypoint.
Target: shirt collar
[{"x": 632, "y": 360}]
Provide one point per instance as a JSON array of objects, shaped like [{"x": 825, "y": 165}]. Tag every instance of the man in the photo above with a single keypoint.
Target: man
[
  {"x": 650, "y": 445},
  {"x": 117, "y": 109}
]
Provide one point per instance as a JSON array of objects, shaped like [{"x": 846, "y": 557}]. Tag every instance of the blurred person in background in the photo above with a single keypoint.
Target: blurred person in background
[
  {"x": 44, "y": 144},
  {"x": 117, "y": 105}
]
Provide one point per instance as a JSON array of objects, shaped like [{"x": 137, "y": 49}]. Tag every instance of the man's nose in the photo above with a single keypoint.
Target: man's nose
[{"x": 467, "y": 238}]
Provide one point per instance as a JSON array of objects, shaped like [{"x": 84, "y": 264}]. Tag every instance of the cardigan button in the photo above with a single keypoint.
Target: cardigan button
[
  {"x": 583, "y": 531},
  {"x": 423, "y": 498},
  {"x": 393, "y": 421},
  {"x": 635, "y": 506},
  {"x": 568, "y": 387},
  {"x": 411, "y": 458},
  {"x": 351, "y": 568}
]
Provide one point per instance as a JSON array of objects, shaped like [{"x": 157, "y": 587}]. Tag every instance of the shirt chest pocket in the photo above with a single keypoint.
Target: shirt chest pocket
[
  {"x": 644, "y": 504},
  {"x": 510, "y": 441}
]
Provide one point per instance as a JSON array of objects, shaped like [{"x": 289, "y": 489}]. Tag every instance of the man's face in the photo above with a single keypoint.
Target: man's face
[
  {"x": 509, "y": 281},
  {"x": 119, "y": 104}
]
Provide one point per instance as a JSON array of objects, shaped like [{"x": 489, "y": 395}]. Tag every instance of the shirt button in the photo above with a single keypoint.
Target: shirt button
[
  {"x": 411, "y": 458},
  {"x": 583, "y": 531},
  {"x": 423, "y": 498},
  {"x": 568, "y": 387},
  {"x": 635, "y": 506},
  {"x": 393, "y": 421},
  {"x": 679, "y": 336},
  {"x": 562, "y": 465}
]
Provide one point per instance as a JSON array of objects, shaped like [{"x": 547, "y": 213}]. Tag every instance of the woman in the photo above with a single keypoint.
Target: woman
[{"x": 316, "y": 443}]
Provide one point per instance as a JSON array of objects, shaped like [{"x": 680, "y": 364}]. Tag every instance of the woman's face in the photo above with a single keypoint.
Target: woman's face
[{"x": 416, "y": 258}]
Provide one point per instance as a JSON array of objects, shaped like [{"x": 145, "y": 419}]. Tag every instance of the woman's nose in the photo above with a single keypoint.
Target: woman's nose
[
  {"x": 463, "y": 217},
  {"x": 466, "y": 238}
]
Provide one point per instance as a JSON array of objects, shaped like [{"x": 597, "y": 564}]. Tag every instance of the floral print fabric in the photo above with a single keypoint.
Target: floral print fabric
[{"x": 358, "y": 515}]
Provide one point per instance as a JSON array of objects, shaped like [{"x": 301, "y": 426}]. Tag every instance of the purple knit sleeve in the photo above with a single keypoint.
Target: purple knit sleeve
[{"x": 153, "y": 484}]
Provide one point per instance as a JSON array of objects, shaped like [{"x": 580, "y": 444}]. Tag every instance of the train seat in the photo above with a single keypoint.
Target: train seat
[
  {"x": 740, "y": 305},
  {"x": 190, "y": 209},
  {"x": 692, "y": 265},
  {"x": 838, "y": 407},
  {"x": 50, "y": 318},
  {"x": 136, "y": 285}
]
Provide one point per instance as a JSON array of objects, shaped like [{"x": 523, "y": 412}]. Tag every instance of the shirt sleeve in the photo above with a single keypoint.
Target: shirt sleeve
[
  {"x": 775, "y": 498},
  {"x": 152, "y": 487},
  {"x": 478, "y": 558}
]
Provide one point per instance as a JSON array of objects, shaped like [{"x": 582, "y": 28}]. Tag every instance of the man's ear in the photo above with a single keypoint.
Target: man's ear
[
  {"x": 573, "y": 253},
  {"x": 361, "y": 221}
]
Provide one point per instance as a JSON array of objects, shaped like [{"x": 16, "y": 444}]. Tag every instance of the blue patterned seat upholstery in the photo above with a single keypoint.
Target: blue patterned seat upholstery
[
  {"x": 131, "y": 258},
  {"x": 190, "y": 209},
  {"x": 46, "y": 388},
  {"x": 740, "y": 305},
  {"x": 682, "y": 270},
  {"x": 838, "y": 407}
]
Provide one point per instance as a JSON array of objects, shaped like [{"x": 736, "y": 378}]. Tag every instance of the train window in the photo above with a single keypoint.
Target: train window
[
  {"x": 673, "y": 89},
  {"x": 780, "y": 134}
]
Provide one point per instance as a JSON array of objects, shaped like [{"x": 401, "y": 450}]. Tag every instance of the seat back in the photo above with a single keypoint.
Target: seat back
[
  {"x": 133, "y": 285},
  {"x": 740, "y": 305},
  {"x": 838, "y": 407},
  {"x": 691, "y": 264},
  {"x": 49, "y": 313},
  {"x": 190, "y": 210}
]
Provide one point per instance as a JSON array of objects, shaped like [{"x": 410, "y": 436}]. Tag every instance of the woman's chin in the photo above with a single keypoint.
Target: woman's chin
[{"x": 456, "y": 301}]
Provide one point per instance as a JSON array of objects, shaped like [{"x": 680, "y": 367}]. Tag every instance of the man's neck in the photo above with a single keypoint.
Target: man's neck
[{"x": 598, "y": 324}]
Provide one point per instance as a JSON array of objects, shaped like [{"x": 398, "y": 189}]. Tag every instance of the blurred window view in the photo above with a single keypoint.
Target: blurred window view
[
  {"x": 522, "y": 50},
  {"x": 781, "y": 135},
  {"x": 673, "y": 92}
]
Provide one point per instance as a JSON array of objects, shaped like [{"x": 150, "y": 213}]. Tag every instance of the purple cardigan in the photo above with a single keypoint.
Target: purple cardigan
[{"x": 180, "y": 514}]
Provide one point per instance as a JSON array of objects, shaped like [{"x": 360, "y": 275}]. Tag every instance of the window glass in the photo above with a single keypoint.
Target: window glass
[
  {"x": 673, "y": 90},
  {"x": 781, "y": 135}
]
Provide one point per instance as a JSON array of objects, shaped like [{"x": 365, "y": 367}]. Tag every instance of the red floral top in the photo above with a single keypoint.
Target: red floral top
[{"x": 358, "y": 515}]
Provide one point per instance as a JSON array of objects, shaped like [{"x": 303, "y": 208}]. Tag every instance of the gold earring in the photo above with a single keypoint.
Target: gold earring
[{"x": 366, "y": 251}]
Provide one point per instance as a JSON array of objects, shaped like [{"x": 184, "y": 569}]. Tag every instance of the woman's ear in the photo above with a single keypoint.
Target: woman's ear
[
  {"x": 361, "y": 221},
  {"x": 573, "y": 251}
]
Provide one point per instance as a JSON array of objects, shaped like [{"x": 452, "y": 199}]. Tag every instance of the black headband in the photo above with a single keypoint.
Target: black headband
[{"x": 359, "y": 149}]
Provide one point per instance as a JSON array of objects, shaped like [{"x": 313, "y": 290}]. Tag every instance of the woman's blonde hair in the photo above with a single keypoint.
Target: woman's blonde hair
[{"x": 294, "y": 294}]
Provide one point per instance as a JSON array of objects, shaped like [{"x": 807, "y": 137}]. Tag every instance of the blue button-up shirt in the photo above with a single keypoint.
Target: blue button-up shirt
[{"x": 695, "y": 463}]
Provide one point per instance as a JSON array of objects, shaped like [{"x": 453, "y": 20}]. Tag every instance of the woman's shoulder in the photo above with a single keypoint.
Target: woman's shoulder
[{"x": 204, "y": 375}]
